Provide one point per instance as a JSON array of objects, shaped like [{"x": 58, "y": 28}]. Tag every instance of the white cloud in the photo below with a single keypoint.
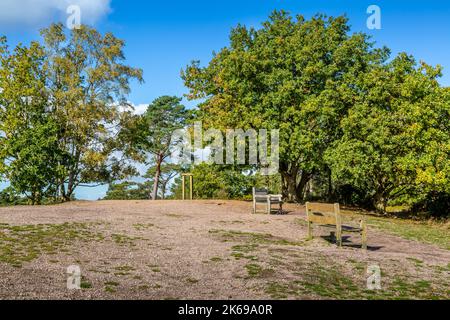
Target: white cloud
[
  {"x": 135, "y": 108},
  {"x": 38, "y": 13},
  {"x": 140, "y": 108}
]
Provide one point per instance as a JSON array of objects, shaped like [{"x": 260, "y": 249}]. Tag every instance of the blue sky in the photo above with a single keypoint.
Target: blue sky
[{"x": 164, "y": 36}]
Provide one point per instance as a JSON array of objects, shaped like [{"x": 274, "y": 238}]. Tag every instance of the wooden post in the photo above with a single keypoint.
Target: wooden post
[
  {"x": 268, "y": 204},
  {"x": 254, "y": 201},
  {"x": 191, "y": 184},
  {"x": 364, "y": 233},
  {"x": 182, "y": 186},
  {"x": 310, "y": 226},
  {"x": 337, "y": 212}
]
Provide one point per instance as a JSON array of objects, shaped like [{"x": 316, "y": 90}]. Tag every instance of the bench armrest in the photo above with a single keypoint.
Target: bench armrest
[{"x": 279, "y": 197}]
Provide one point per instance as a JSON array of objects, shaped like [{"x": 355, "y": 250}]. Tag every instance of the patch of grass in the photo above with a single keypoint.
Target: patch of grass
[
  {"x": 24, "y": 243},
  {"x": 257, "y": 271},
  {"x": 301, "y": 222},
  {"x": 403, "y": 288},
  {"x": 417, "y": 262},
  {"x": 358, "y": 265},
  {"x": 110, "y": 289},
  {"x": 124, "y": 268},
  {"x": 251, "y": 237},
  {"x": 144, "y": 287},
  {"x": 85, "y": 284},
  {"x": 330, "y": 280},
  {"x": 124, "y": 240},
  {"x": 99, "y": 271},
  {"x": 242, "y": 251},
  {"x": 426, "y": 232},
  {"x": 253, "y": 269},
  {"x": 441, "y": 269},
  {"x": 143, "y": 226},
  {"x": 279, "y": 291},
  {"x": 216, "y": 259},
  {"x": 174, "y": 215}
]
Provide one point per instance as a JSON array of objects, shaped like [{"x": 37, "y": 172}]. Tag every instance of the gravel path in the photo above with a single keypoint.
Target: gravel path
[{"x": 193, "y": 250}]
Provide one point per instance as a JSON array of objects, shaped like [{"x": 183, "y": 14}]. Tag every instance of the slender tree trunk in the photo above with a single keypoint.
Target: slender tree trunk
[
  {"x": 154, "y": 194},
  {"x": 70, "y": 189}
]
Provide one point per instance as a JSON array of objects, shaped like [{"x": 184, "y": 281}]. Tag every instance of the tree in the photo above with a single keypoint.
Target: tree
[
  {"x": 127, "y": 191},
  {"x": 29, "y": 154},
  {"x": 151, "y": 133},
  {"x": 168, "y": 171},
  {"x": 396, "y": 138},
  {"x": 87, "y": 81},
  {"x": 295, "y": 75},
  {"x": 60, "y": 111}
]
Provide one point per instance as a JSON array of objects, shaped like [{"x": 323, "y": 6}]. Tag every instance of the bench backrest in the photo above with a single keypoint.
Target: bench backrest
[
  {"x": 323, "y": 213},
  {"x": 260, "y": 192}
]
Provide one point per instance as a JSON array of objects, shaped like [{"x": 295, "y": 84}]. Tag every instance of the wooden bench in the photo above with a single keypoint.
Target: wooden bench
[
  {"x": 329, "y": 215},
  {"x": 262, "y": 196}
]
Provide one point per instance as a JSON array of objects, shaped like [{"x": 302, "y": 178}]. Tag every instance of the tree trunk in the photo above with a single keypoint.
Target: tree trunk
[
  {"x": 293, "y": 189},
  {"x": 300, "y": 187},
  {"x": 380, "y": 202},
  {"x": 70, "y": 189},
  {"x": 154, "y": 195},
  {"x": 288, "y": 186}
]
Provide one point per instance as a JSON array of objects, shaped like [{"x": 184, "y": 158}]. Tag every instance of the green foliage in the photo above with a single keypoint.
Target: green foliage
[
  {"x": 292, "y": 74},
  {"x": 59, "y": 111},
  {"x": 395, "y": 142},
  {"x": 127, "y": 191},
  {"x": 213, "y": 181},
  {"x": 9, "y": 197},
  {"x": 151, "y": 133},
  {"x": 436, "y": 204},
  {"x": 355, "y": 125},
  {"x": 168, "y": 171},
  {"x": 352, "y": 125},
  {"x": 29, "y": 154}
]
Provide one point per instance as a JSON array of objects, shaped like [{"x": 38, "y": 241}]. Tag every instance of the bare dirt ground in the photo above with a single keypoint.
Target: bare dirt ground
[{"x": 202, "y": 250}]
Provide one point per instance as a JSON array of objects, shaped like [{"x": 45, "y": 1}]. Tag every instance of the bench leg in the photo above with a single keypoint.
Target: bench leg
[
  {"x": 338, "y": 230},
  {"x": 339, "y": 235},
  {"x": 364, "y": 234},
  {"x": 310, "y": 230}
]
